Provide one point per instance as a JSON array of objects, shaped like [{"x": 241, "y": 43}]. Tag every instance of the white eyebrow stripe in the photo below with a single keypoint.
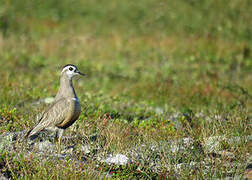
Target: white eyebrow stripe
[
  {"x": 66, "y": 68},
  {"x": 63, "y": 70}
]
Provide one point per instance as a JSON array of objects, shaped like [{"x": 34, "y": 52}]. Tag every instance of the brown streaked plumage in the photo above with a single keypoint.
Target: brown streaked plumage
[{"x": 65, "y": 109}]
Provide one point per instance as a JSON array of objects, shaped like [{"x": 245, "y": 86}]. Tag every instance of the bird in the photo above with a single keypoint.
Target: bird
[{"x": 64, "y": 110}]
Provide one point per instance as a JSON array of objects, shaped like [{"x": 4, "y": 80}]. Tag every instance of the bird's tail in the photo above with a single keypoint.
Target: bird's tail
[
  {"x": 33, "y": 131},
  {"x": 28, "y": 133}
]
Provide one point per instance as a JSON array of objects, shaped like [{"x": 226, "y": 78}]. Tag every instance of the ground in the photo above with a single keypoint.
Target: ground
[{"x": 160, "y": 75}]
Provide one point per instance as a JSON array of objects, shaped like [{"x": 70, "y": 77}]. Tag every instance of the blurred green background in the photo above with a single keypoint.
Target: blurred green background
[{"x": 145, "y": 61}]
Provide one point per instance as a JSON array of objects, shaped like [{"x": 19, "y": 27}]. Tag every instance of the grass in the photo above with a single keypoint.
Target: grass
[{"x": 145, "y": 61}]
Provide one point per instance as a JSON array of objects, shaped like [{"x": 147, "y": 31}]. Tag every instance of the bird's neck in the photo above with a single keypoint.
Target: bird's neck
[{"x": 66, "y": 89}]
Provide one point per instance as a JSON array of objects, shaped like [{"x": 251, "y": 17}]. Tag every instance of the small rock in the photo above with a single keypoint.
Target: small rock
[
  {"x": 213, "y": 143},
  {"x": 199, "y": 115},
  {"x": 118, "y": 159},
  {"x": 159, "y": 110},
  {"x": 181, "y": 145},
  {"x": 46, "y": 146},
  {"x": 8, "y": 139},
  {"x": 48, "y": 100},
  {"x": 85, "y": 149}
]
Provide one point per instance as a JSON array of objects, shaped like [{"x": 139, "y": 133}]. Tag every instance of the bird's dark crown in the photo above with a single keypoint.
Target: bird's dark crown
[{"x": 69, "y": 65}]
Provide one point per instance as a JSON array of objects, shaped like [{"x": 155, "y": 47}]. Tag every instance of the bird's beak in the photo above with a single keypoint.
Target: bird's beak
[{"x": 80, "y": 73}]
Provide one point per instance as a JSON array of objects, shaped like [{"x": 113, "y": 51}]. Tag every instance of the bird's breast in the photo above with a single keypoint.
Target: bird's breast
[{"x": 72, "y": 115}]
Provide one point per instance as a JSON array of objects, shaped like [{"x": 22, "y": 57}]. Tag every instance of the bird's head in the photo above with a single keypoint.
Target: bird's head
[{"x": 71, "y": 70}]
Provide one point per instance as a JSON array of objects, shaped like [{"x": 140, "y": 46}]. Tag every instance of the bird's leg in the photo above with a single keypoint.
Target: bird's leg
[{"x": 58, "y": 143}]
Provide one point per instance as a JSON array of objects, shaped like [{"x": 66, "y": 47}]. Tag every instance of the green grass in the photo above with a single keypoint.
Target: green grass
[{"x": 140, "y": 57}]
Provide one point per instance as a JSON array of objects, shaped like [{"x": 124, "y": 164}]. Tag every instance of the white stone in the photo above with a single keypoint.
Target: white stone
[
  {"x": 48, "y": 100},
  {"x": 118, "y": 159},
  {"x": 85, "y": 149}
]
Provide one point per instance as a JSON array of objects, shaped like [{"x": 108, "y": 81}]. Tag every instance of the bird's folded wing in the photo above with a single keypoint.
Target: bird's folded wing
[{"x": 52, "y": 115}]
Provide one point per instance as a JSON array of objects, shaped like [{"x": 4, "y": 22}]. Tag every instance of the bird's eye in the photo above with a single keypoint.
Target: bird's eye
[{"x": 70, "y": 69}]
